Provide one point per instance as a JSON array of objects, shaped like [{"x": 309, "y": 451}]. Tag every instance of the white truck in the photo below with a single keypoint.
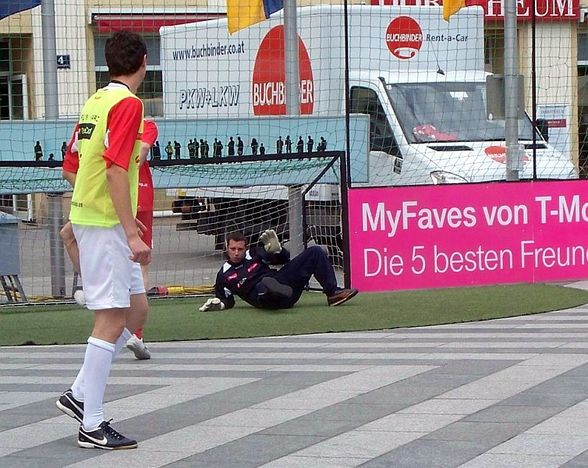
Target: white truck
[{"x": 419, "y": 78}]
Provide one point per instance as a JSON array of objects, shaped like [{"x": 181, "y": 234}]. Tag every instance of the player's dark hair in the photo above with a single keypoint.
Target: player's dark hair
[
  {"x": 237, "y": 237},
  {"x": 124, "y": 52}
]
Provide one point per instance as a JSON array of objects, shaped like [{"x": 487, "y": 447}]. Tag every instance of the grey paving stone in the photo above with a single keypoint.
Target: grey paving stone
[
  {"x": 419, "y": 388},
  {"x": 489, "y": 433},
  {"x": 252, "y": 451},
  {"x": 544, "y": 444},
  {"x": 580, "y": 371},
  {"x": 513, "y": 414},
  {"x": 473, "y": 367},
  {"x": 500, "y": 460},
  {"x": 59, "y": 453},
  {"x": 32, "y": 462},
  {"x": 484, "y": 402},
  {"x": 579, "y": 461},
  {"x": 314, "y": 425},
  {"x": 429, "y": 453},
  {"x": 564, "y": 385},
  {"x": 541, "y": 399}
]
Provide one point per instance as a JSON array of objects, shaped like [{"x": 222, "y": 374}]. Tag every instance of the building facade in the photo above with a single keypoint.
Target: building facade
[{"x": 557, "y": 28}]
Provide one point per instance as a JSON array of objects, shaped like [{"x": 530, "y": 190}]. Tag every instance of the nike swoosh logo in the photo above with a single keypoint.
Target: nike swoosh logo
[{"x": 102, "y": 441}]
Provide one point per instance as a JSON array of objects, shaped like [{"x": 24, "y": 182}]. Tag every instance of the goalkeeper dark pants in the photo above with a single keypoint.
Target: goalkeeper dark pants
[{"x": 296, "y": 274}]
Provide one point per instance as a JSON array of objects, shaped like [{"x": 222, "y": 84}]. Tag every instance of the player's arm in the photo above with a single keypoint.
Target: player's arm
[
  {"x": 69, "y": 176},
  {"x": 145, "y": 148},
  {"x": 150, "y": 132},
  {"x": 223, "y": 297},
  {"x": 272, "y": 251},
  {"x": 123, "y": 126},
  {"x": 71, "y": 161},
  {"x": 223, "y": 293},
  {"x": 281, "y": 257}
]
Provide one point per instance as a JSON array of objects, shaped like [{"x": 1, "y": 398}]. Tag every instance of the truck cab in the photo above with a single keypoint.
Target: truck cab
[
  {"x": 420, "y": 79},
  {"x": 439, "y": 132}
]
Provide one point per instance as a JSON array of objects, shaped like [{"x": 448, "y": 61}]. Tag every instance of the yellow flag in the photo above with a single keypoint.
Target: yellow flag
[
  {"x": 451, "y": 7},
  {"x": 243, "y": 13}
]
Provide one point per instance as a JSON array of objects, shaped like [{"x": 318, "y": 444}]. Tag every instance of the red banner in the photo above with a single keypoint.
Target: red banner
[{"x": 545, "y": 10}]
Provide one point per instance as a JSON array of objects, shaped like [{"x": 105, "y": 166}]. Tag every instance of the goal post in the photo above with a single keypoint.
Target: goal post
[{"x": 200, "y": 198}]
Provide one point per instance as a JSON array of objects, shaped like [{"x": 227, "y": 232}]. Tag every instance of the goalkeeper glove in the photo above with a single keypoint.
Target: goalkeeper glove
[
  {"x": 214, "y": 303},
  {"x": 270, "y": 241}
]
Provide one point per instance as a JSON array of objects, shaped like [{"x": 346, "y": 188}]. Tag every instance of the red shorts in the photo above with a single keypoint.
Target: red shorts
[{"x": 146, "y": 217}]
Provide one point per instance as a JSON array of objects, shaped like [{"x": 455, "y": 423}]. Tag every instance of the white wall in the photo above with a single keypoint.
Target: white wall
[
  {"x": 70, "y": 25},
  {"x": 556, "y": 65}
]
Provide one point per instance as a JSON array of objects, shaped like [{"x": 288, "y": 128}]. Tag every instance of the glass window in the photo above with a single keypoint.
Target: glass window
[
  {"x": 429, "y": 112},
  {"x": 583, "y": 47},
  {"x": 151, "y": 90},
  {"x": 4, "y": 98},
  {"x": 152, "y": 43},
  {"x": 365, "y": 101},
  {"x": 4, "y": 56},
  {"x": 18, "y": 95}
]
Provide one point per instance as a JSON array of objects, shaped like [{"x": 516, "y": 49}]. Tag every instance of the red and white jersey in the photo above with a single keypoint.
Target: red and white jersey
[
  {"x": 149, "y": 136},
  {"x": 145, "y": 200}
]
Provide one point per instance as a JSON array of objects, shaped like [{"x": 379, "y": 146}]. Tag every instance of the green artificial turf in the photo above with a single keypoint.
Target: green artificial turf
[{"x": 179, "y": 319}]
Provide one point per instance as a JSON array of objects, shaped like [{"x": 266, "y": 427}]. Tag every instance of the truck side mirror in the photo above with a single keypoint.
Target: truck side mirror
[{"x": 543, "y": 128}]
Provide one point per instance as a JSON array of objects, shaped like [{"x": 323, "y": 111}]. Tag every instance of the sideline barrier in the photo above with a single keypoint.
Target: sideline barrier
[{"x": 466, "y": 235}]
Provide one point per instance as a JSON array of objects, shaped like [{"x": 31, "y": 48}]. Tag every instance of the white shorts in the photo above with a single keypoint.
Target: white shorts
[{"x": 108, "y": 275}]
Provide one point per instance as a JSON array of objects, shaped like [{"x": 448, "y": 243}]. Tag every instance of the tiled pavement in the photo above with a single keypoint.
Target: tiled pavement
[{"x": 502, "y": 393}]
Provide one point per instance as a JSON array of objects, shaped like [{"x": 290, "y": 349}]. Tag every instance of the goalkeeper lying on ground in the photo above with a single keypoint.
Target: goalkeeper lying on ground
[{"x": 247, "y": 274}]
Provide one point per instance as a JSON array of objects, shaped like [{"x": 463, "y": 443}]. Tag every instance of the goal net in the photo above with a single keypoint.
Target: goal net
[{"x": 408, "y": 102}]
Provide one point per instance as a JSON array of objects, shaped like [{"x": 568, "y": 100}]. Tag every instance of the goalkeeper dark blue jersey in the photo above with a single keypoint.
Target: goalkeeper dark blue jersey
[{"x": 241, "y": 279}]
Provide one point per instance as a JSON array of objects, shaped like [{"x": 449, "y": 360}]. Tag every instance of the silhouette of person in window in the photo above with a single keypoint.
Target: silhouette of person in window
[
  {"x": 156, "y": 152},
  {"x": 38, "y": 152},
  {"x": 231, "y": 147},
  {"x": 279, "y": 145},
  {"x": 196, "y": 147},
  {"x": 217, "y": 148},
  {"x": 322, "y": 145},
  {"x": 300, "y": 145},
  {"x": 169, "y": 150},
  {"x": 254, "y": 146},
  {"x": 177, "y": 148},
  {"x": 191, "y": 153}
]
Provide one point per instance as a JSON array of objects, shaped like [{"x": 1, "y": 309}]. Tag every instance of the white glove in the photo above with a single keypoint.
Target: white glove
[
  {"x": 214, "y": 303},
  {"x": 270, "y": 241}
]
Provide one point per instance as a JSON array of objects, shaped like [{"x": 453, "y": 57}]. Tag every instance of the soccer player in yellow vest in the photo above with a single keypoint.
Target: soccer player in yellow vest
[{"x": 103, "y": 210}]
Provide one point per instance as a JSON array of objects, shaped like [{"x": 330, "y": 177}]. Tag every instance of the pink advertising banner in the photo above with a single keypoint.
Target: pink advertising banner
[{"x": 464, "y": 235}]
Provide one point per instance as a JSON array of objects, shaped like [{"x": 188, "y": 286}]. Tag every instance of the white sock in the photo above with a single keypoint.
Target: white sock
[
  {"x": 97, "y": 364},
  {"x": 77, "y": 387},
  {"x": 121, "y": 341}
]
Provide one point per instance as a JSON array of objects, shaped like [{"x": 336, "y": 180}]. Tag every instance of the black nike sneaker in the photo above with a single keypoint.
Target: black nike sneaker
[
  {"x": 105, "y": 437},
  {"x": 70, "y": 406}
]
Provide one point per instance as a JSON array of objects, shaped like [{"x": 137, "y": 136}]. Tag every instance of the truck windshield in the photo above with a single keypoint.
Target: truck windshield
[{"x": 429, "y": 112}]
